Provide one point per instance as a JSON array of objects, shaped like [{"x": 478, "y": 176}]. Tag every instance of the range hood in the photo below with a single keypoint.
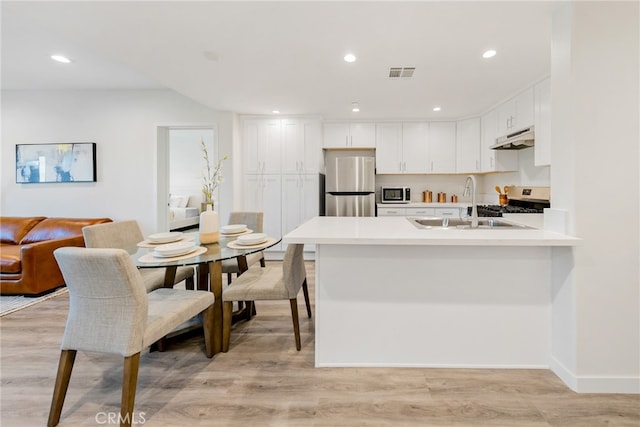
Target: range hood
[{"x": 515, "y": 141}]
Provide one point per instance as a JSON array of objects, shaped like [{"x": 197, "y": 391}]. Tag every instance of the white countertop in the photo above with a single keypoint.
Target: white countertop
[{"x": 399, "y": 231}]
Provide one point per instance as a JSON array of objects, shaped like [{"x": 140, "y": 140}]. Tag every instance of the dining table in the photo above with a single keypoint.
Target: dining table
[{"x": 208, "y": 260}]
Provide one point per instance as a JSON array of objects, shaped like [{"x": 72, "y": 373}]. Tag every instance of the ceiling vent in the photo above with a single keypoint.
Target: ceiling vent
[{"x": 404, "y": 72}]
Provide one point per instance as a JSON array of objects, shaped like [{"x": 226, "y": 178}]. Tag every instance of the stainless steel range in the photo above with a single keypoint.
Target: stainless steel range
[{"x": 521, "y": 200}]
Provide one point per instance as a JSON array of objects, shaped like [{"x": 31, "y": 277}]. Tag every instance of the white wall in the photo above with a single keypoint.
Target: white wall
[
  {"x": 123, "y": 124},
  {"x": 595, "y": 154}
]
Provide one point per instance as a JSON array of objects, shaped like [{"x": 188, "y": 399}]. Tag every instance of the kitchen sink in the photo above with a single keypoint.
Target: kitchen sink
[{"x": 483, "y": 223}]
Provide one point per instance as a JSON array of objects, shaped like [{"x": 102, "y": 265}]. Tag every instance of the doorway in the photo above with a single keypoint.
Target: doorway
[{"x": 180, "y": 166}]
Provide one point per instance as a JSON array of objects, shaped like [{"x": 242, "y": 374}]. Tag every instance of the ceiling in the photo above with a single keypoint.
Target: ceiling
[{"x": 254, "y": 57}]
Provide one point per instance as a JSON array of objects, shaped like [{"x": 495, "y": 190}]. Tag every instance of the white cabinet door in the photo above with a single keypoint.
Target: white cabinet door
[
  {"x": 263, "y": 194},
  {"x": 414, "y": 147},
  {"x": 292, "y": 146},
  {"x": 262, "y": 146},
  {"x": 468, "y": 146},
  {"x": 420, "y": 211},
  {"x": 442, "y": 147},
  {"x": 494, "y": 160},
  {"x": 447, "y": 212},
  {"x": 300, "y": 195},
  {"x": 336, "y": 135},
  {"x": 311, "y": 161},
  {"x": 517, "y": 113},
  {"x": 542, "y": 145},
  {"x": 362, "y": 135},
  {"x": 389, "y": 148}
]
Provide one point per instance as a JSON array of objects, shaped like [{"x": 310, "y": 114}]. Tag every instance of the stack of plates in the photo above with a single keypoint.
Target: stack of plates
[
  {"x": 175, "y": 249},
  {"x": 233, "y": 229},
  {"x": 165, "y": 237},
  {"x": 252, "y": 239}
]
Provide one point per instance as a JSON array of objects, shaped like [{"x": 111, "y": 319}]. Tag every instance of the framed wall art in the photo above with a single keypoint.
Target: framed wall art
[{"x": 68, "y": 162}]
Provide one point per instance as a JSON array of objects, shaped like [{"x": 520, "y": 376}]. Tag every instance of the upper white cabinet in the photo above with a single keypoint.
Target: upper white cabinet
[
  {"x": 401, "y": 148},
  {"x": 349, "y": 135},
  {"x": 494, "y": 160},
  {"x": 517, "y": 113},
  {"x": 442, "y": 147},
  {"x": 468, "y": 146},
  {"x": 542, "y": 145},
  {"x": 301, "y": 145},
  {"x": 262, "y": 146}
]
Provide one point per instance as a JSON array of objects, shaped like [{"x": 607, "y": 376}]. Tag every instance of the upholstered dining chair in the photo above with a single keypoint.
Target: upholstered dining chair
[
  {"x": 253, "y": 220},
  {"x": 269, "y": 283},
  {"x": 126, "y": 235},
  {"x": 110, "y": 311}
]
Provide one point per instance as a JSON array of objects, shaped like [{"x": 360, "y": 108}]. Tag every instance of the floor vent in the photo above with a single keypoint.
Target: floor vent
[{"x": 404, "y": 72}]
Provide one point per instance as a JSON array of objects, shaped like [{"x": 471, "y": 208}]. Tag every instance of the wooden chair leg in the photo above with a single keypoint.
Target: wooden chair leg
[
  {"x": 296, "y": 325},
  {"x": 189, "y": 283},
  {"x": 129, "y": 383},
  {"x": 207, "y": 325},
  {"x": 228, "y": 278},
  {"x": 305, "y": 290},
  {"x": 263, "y": 262},
  {"x": 65, "y": 365},
  {"x": 227, "y": 313},
  {"x": 248, "y": 312}
]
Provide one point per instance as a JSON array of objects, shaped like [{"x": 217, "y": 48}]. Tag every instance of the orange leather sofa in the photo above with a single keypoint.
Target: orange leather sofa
[{"x": 27, "y": 264}]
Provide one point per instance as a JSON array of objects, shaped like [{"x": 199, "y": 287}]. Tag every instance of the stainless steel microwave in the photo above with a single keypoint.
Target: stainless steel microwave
[{"x": 395, "y": 194}]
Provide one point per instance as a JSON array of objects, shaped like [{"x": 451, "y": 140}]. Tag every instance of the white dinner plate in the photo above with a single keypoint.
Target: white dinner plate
[
  {"x": 173, "y": 236},
  {"x": 251, "y": 239},
  {"x": 187, "y": 252},
  {"x": 175, "y": 249},
  {"x": 233, "y": 228}
]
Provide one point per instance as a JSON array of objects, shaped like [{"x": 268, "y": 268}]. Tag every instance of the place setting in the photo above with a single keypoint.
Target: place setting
[
  {"x": 157, "y": 239},
  {"x": 251, "y": 241},
  {"x": 178, "y": 250},
  {"x": 233, "y": 230}
]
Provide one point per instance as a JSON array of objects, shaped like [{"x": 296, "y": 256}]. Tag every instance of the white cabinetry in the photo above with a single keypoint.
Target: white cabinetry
[
  {"x": 542, "y": 145},
  {"x": 299, "y": 200},
  {"x": 281, "y": 164},
  {"x": 494, "y": 160},
  {"x": 517, "y": 113},
  {"x": 392, "y": 212},
  {"x": 401, "y": 148},
  {"x": 420, "y": 211},
  {"x": 442, "y": 147},
  {"x": 349, "y": 135},
  {"x": 301, "y": 147},
  {"x": 410, "y": 211},
  {"x": 263, "y": 194},
  {"x": 262, "y": 146},
  {"x": 468, "y": 146}
]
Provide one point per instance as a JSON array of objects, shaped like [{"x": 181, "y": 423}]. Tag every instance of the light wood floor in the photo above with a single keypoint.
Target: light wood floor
[{"x": 264, "y": 381}]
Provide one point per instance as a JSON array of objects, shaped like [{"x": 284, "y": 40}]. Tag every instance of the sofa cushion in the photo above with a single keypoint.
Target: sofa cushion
[
  {"x": 59, "y": 228},
  {"x": 10, "y": 259},
  {"x": 13, "y": 229}
]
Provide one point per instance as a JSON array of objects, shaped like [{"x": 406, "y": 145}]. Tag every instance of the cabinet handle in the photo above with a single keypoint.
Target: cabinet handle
[
  {"x": 491, "y": 162},
  {"x": 404, "y": 166},
  {"x": 431, "y": 165},
  {"x": 400, "y": 166},
  {"x": 351, "y": 137},
  {"x": 447, "y": 214},
  {"x": 301, "y": 166},
  {"x": 346, "y": 140},
  {"x": 477, "y": 165}
]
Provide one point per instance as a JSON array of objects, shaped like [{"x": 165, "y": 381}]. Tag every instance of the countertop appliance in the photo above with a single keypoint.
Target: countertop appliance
[
  {"x": 521, "y": 200},
  {"x": 350, "y": 186},
  {"x": 395, "y": 194}
]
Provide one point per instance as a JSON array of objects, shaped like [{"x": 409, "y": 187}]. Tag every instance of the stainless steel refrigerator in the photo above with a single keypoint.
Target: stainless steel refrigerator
[{"x": 350, "y": 187}]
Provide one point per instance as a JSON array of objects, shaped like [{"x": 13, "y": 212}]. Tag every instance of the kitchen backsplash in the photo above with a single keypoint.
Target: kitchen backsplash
[{"x": 454, "y": 184}]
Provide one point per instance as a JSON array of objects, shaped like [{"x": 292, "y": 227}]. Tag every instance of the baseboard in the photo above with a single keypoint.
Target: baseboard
[{"x": 595, "y": 384}]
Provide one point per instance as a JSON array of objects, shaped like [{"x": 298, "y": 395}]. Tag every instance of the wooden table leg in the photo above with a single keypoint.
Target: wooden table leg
[{"x": 215, "y": 283}]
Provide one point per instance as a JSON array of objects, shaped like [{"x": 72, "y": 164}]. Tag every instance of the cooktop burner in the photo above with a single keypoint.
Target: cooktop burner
[{"x": 498, "y": 210}]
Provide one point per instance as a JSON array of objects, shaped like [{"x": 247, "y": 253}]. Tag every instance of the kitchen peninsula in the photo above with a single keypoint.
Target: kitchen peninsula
[{"x": 391, "y": 294}]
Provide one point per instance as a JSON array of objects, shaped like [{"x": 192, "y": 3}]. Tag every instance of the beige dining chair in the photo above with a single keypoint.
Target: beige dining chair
[
  {"x": 253, "y": 220},
  {"x": 110, "y": 311},
  {"x": 126, "y": 235},
  {"x": 269, "y": 283}
]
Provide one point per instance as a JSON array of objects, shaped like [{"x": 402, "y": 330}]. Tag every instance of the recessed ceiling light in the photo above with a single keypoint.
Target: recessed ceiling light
[
  {"x": 437, "y": 108},
  {"x": 276, "y": 111},
  {"x": 489, "y": 53},
  {"x": 355, "y": 107},
  {"x": 61, "y": 58},
  {"x": 350, "y": 57}
]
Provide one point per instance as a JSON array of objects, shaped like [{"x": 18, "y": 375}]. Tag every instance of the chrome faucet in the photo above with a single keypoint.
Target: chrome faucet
[{"x": 470, "y": 190}]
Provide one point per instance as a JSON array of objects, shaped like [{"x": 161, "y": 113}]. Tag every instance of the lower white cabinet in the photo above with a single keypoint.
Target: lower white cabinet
[
  {"x": 392, "y": 212},
  {"x": 263, "y": 193},
  {"x": 422, "y": 211},
  {"x": 300, "y": 196}
]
